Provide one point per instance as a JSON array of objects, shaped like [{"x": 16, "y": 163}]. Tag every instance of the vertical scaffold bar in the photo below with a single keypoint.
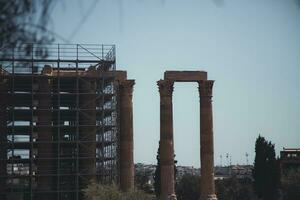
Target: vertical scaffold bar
[
  {"x": 31, "y": 124},
  {"x": 77, "y": 126},
  {"x": 13, "y": 108},
  {"x": 58, "y": 124},
  {"x": 102, "y": 130}
]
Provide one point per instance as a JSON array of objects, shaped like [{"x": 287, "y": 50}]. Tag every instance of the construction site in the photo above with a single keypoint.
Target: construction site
[{"x": 65, "y": 121}]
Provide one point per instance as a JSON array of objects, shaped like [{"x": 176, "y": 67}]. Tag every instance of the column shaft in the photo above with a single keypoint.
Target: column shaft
[
  {"x": 87, "y": 132},
  {"x": 166, "y": 139},
  {"x": 206, "y": 141},
  {"x": 3, "y": 134},
  {"x": 126, "y": 136},
  {"x": 45, "y": 162}
]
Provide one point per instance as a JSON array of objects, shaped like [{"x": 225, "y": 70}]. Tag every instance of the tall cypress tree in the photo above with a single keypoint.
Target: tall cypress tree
[
  {"x": 266, "y": 170},
  {"x": 157, "y": 174}
]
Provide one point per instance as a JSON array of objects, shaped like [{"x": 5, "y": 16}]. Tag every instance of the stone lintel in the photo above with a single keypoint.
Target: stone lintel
[
  {"x": 120, "y": 75},
  {"x": 185, "y": 76},
  {"x": 90, "y": 73}
]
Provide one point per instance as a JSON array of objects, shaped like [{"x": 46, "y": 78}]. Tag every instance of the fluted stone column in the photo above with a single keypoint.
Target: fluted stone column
[
  {"x": 206, "y": 141},
  {"x": 87, "y": 134},
  {"x": 166, "y": 139},
  {"x": 126, "y": 136},
  {"x": 45, "y": 162},
  {"x": 4, "y": 102}
]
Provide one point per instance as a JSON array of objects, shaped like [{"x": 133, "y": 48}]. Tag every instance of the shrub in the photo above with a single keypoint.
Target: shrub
[{"x": 96, "y": 191}]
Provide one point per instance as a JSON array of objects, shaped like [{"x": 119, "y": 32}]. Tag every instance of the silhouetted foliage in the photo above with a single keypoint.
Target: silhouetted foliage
[
  {"x": 157, "y": 174},
  {"x": 96, "y": 191},
  {"x": 291, "y": 185},
  {"x": 235, "y": 189},
  {"x": 142, "y": 179},
  {"x": 23, "y": 22},
  {"x": 266, "y": 171},
  {"x": 188, "y": 187}
]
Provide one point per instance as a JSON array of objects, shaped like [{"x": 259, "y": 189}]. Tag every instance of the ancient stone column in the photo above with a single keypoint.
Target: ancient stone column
[
  {"x": 166, "y": 139},
  {"x": 87, "y": 133},
  {"x": 45, "y": 162},
  {"x": 4, "y": 102},
  {"x": 126, "y": 136},
  {"x": 206, "y": 141}
]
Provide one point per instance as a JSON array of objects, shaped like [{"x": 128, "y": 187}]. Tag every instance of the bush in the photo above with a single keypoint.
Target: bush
[
  {"x": 291, "y": 185},
  {"x": 96, "y": 191},
  {"x": 233, "y": 188},
  {"x": 139, "y": 195},
  {"x": 188, "y": 187}
]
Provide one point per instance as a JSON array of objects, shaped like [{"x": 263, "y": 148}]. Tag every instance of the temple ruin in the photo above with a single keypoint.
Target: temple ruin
[
  {"x": 206, "y": 132},
  {"x": 65, "y": 120}
]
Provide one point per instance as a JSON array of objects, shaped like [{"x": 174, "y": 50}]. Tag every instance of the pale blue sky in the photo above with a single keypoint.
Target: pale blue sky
[{"x": 251, "y": 49}]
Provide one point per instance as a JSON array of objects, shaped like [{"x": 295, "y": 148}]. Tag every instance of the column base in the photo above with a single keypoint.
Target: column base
[{"x": 209, "y": 197}]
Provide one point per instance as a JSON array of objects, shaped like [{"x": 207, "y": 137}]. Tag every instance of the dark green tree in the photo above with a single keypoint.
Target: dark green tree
[
  {"x": 157, "y": 175},
  {"x": 235, "y": 189},
  {"x": 23, "y": 22},
  {"x": 266, "y": 171},
  {"x": 142, "y": 180},
  {"x": 188, "y": 187},
  {"x": 291, "y": 185}
]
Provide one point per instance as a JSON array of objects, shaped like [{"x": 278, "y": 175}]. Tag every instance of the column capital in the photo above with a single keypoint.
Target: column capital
[
  {"x": 205, "y": 88},
  {"x": 127, "y": 86},
  {"x": 165, "y": 87}
]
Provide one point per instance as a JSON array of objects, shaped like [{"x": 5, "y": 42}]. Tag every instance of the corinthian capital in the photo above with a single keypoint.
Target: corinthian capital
[
  {"x": 126, "y": 86},
  {"x": 165, "y": 87},
  {"x": 205, "y": 88}
]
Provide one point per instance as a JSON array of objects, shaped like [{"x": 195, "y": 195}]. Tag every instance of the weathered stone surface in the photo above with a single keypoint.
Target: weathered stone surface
[
  {"x": 166, "y": 139},
  {"x": 206, "y": 132},
  {"x": 118, "y": 75},
  {"x": 185, "y": 76},
  {"x": 206, "y": 141},
  {"x": 87, "y": 153},
  {"x": 126, "y": 135},
  {"x": 45, "y": 146}
]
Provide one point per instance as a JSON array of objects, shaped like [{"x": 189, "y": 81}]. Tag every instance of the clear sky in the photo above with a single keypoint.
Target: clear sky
[{"x": 250, "y": 48}]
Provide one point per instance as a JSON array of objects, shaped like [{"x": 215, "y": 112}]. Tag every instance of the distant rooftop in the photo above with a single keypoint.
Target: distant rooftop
[{"x": 291, "y": 149}]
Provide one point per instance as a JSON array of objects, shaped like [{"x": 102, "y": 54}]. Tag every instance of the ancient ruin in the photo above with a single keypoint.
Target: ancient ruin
[
  {"x": 206, "y": 132},
  {"x": 65, "y": 120}
]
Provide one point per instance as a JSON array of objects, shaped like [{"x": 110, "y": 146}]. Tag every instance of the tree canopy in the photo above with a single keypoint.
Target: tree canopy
[
  {"x": 266, "y": 171},
  {"x": 25, "y": 21}
]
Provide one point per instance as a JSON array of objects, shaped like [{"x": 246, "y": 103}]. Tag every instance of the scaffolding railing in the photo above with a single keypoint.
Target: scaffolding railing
[
  {"x": 19, "y": 59},
  {"x": 20, "y": 74}
]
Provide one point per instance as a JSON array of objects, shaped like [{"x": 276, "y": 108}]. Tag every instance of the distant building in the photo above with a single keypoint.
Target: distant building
[
  {"x": 289, "y": 159},
  {"x": 238, "y": 171},
  {"x": 184, "y": 170}
]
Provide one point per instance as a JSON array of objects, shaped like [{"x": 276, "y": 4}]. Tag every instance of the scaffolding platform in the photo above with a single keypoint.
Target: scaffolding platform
[{"x": 59, "y": 120}]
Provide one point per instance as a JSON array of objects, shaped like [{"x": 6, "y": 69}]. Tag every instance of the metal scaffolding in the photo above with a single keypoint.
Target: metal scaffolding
[{"x": 59, "y": 123}]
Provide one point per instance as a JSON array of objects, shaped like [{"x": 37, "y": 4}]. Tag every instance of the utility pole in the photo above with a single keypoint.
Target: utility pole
[{"x": 227, "y": 155}]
